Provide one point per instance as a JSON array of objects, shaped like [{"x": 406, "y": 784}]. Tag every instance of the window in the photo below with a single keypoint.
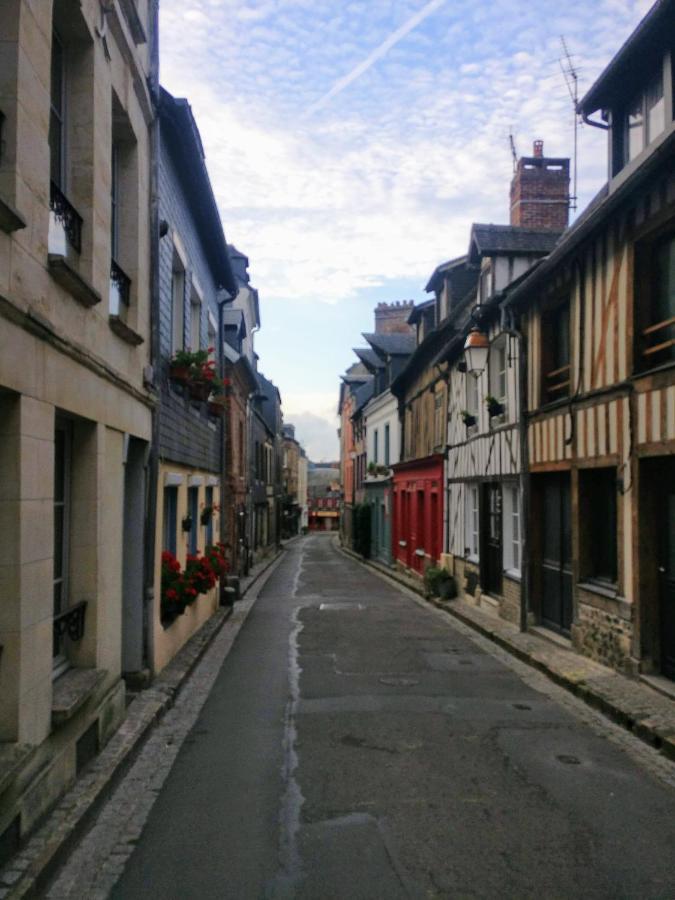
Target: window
[
  {"x": 177, "y": 304},
  {"x": 375, "y": 447},
  {"x": 598, "y": 514},
  {"x": 193, "y": 512},
  {"x": 472, "y": 521},
  {"x": 511, "y": 527},
  {"x": 170, "y": 515},
  {"x": 208, "y": 503},
  {"x": 643, "y": 120},
  {"x": 655, "y": 298},
  {"x": 497, "y": 370},
  {"x": 555, "y": 352},
  {"x": 386, "y": 445},
  {"x": 57, "y": 130},
  {"x": 195, "y": 319},
  {"x": 62, "y": 509},
  {"x": 472, "y": 395},
  {"x": 212, "y": 333}
]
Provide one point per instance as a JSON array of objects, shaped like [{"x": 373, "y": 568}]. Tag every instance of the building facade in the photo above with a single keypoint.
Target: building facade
[{"x": 78, "y": 111}]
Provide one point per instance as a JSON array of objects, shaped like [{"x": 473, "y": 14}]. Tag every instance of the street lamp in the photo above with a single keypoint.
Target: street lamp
[{"x": 476, "y": 349}]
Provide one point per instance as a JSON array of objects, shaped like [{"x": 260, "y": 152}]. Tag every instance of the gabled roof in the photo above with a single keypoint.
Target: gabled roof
[
  {"x": 234, "y": 318},
  {"x": 634, "y": 58},
  {"x": 420, "y": 310},
  {"x": 369, "y": 358},
  {"x": 423, "y": 356},
  {"x": 441, "y": 271},
  {"x": 487, "y": 240},
  {"x": 392, "y": 344},
  {"x": 181, "y": 135}
]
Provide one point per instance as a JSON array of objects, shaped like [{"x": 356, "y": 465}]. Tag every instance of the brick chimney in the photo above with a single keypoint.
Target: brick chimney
[
  {"x": 392, "y": 318},
  {"x": 540, "y": 191}
]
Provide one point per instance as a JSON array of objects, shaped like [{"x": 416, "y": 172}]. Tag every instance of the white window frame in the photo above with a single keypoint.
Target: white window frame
[
  {"x": 499, "y": 370},
  {"x": 195, "y": 317},
  {"x": 472, "y": 395},
  {"x": 177, "y": 301},
  {"x": 472, "y": 521},
  {"x": 512, "y": 529}
]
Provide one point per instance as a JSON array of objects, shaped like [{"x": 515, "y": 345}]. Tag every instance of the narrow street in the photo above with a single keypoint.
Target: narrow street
[{"x": 356, "y": 743}]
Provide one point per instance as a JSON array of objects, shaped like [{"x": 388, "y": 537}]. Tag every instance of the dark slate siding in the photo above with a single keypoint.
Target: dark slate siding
[{"x": 185, "y": 434}]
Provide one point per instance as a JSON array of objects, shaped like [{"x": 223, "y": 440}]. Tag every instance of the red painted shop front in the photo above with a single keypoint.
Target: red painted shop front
[{"x": 417, "y": 534}]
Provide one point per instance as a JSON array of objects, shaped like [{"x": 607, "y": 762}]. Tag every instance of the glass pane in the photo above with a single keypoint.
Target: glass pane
[
  {"x": 59, "y": 465},
  {"x": 656, "y": 109},
  {"x": 55, "y": 154},
  {"x": 58, "y": 597},
  {"x": 635, "y": 129},
  {"x": 59, "y": 513}
]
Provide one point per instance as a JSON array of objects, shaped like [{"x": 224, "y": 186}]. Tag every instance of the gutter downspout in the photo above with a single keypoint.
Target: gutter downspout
[
  {"x": 588, "y": 121},
  {"x": 153, "y": 455},
  {"x": 221, "y": 299}
]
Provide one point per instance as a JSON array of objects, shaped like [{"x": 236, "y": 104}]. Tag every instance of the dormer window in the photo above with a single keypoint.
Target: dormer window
[{"x": 643, "y": 121}]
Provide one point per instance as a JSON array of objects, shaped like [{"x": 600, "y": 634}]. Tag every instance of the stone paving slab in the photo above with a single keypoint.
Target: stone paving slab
[
  {"x": 26, "y": 873},
  {"x": 629, "y": 702}
]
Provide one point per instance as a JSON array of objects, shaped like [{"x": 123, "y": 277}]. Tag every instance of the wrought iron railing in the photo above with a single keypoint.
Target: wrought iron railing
[
  {"x": 660, "y": 332},
  {"x": 66, "y": 214},
  {"x": 71, "y": 623},
  {"x": 121, "y": 282}
]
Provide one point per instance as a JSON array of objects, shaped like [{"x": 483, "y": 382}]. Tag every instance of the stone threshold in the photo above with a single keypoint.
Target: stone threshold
[
  {"x": 633, "y": 703},
  {"x": 71, "y": 691},
  {"x": 28, "y": 872}
]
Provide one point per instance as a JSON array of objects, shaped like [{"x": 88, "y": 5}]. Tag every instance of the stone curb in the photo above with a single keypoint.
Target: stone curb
[
  {"x": 630, "y": 703},
  {"x": 28, "y": 872}
]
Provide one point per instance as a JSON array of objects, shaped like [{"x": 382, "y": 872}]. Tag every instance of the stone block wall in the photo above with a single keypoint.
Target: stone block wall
[{"x": 604, "y": 632}]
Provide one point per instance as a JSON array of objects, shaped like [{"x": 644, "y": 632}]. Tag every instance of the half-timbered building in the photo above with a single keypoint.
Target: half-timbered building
[{"x": 600, "y": 320}]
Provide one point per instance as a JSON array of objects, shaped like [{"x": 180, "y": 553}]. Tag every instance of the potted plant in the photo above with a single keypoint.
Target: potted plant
[
  {"x": 495, "y": 408},
  {"x": 180, "y": 366},
  {"x": 172, "y": 599},
  {"x": 207, "y": 513},
  {"x": 372, "y": 468},
  {"x": 186, "y": 523},
  {"x": 468, "y": 418}
]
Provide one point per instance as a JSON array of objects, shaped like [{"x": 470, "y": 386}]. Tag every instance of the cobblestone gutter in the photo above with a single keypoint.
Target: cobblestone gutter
[
  {"x": 630, "y": 702},
  {"x": 29, "y": 870}
]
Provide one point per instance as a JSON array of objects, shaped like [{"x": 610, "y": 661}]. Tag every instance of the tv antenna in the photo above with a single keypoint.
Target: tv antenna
[
  {"x": 514, "y": 153},
  {"x": 572, "y": 82}
]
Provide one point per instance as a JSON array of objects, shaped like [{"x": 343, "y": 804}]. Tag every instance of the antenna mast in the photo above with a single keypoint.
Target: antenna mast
[
  {"x": 572, "y": 81},
  {"x": 513, "y": 150}
]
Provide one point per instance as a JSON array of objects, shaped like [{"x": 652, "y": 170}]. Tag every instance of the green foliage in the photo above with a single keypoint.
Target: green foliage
[{"x": 439, "y": 583}]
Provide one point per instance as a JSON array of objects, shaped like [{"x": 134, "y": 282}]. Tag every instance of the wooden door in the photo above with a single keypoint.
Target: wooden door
[
  {"x": 556, "y": 555},
  {"x": 491, "y": 529},
  {"x": 667, "y": 577}
]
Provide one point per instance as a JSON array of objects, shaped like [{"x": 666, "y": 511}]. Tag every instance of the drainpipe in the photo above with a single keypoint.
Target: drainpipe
[
  {"x": 152, "y": 467},
  {"x": 524, "y": 475},
  {"x": 222, "y": 298}
]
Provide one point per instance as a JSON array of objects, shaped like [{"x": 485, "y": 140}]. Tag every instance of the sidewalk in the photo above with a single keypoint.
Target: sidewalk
[
  {"x": 630, "y": 702},
  {"x": 27, "y": 872}
]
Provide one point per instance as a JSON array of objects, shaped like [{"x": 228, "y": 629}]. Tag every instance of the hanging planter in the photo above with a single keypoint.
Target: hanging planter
[
  {"x": 206, "y": 514},
  {"x": 186, "y": 523},
  {"x": 495, "y": 408},
  {"x": 179, "y": 374},
  {"x": 215, "y": 409},
  {"x": 468, "y": 418}
]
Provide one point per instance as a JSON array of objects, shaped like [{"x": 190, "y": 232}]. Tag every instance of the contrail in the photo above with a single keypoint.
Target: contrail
[{"x": 378, "y": 53}]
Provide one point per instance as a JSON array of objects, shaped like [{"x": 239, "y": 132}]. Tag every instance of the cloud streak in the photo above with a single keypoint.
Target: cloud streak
[{"x": 376, "y": 55}]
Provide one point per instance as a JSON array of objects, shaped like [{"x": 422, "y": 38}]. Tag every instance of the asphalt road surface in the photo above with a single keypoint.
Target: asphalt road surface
[{"x": 357, "y": 743}]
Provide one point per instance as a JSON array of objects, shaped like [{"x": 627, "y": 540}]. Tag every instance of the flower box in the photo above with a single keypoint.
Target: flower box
[{"x": 199, "y": 390}]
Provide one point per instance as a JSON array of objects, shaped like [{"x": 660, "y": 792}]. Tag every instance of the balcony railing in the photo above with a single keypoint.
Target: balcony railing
[
  {"x": 557, "y": 383},
  {"x": 657, "y": 332},
  {"x": 65, "y": 215},
  {"x": 71, "y": 623},
  {"x": 120, "y": 289}
]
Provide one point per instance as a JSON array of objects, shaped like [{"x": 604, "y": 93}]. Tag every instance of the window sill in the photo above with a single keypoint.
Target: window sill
[
  {"x": 475, "y": 560},
  {"x": 122, "y": 330},
  {"x": 65, "y": 275},
  {"x": 603, "y": 588},
  {"x": 10, "y": 219},
  {"x": 71, "y": 691},
  {"x": 513, "y": 574}
]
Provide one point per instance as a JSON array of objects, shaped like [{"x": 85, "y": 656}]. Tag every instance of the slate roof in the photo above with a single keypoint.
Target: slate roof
[
  {"x": 463, "y": 280},
  {"x": 419, "y": 310},
  {"x": 362, "y": 395},
  {"x": 269, "y": 406},
  {"x": 441, "y": 270},
  {"x": 649, "y": 38},
  {"x": 393, "y": 344},
  {"x": 234, "y": 318},
  {"x": 489, "y": 239},
  {"x": 369, "y": 358}
]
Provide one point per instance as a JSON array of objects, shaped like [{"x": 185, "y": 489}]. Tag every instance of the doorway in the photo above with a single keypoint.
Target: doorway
[
  {"x": 666, "y": 574},
  {"x": 491, "y": 528},
  {"x": 555, "y": 558}
]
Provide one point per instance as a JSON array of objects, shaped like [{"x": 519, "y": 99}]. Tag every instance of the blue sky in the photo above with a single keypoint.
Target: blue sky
[{"x": 351, "y": 145}]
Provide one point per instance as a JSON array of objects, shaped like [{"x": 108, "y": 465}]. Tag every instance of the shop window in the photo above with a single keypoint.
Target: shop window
[
  {"x": 655, "y": 301},
  {"x": 555, "y": 352}
]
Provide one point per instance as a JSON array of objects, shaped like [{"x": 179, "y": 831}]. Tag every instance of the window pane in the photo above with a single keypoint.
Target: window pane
[
  {"x": 656, "y": 109},
  {"x": 635, "y": 128}
]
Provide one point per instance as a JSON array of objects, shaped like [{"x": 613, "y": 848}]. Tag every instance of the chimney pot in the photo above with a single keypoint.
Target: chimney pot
[{"x": 538, "y": 149}]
